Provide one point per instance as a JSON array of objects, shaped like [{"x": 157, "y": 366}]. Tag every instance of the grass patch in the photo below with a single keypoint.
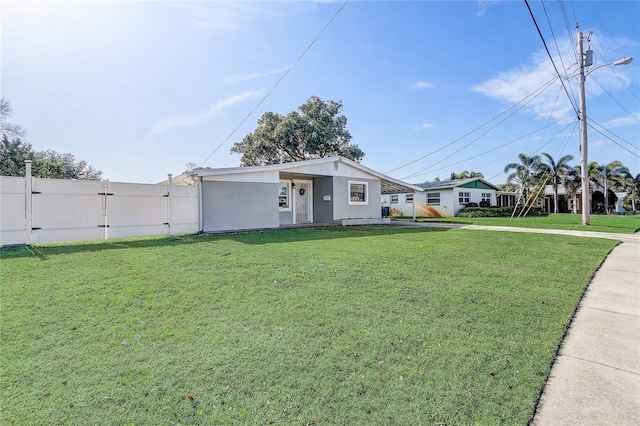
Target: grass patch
[
  {"x": 599, "y": 223},
  {"x": 300, "y": 326}
]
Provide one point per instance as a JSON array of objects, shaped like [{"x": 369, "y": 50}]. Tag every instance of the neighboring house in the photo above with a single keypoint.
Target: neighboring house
[
  {"x": 331, "y": 190},
  {"x": 566, "y": 203},
  {"x": 441, "y": 199},
  {"x": 569, "y": 204}
]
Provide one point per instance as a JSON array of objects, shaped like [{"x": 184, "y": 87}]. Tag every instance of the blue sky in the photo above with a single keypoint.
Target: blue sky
[{"x": 139, "y": 88}]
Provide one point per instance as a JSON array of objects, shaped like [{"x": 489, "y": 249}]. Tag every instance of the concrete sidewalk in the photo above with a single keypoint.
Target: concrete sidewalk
[{"x": 595, "y": 379}]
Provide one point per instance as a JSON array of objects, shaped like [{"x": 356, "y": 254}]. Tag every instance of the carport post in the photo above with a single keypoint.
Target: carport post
[{"x": 414, "y": 206}]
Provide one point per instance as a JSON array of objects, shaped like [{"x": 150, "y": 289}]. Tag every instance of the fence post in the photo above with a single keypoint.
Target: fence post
[
  {"x": 105, "y": 211},
  {"x": 28, "y": 199},
  {"x": 169, "y": 203}
]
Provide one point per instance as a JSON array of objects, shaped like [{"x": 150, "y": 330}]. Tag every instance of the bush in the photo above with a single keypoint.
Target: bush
[
  {"x": 505, "y": 211},
  {"x": 484, "y": 203}
]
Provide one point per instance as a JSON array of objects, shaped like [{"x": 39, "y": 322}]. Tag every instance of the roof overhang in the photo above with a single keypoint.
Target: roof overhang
[{"x": 388, "y": 185}]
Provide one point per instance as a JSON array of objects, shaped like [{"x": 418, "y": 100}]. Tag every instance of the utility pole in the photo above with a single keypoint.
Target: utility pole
[{"x": 586, "y": 204}]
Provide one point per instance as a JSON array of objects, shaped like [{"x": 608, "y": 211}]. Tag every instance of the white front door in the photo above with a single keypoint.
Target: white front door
[{"x": 302, "y": 201}]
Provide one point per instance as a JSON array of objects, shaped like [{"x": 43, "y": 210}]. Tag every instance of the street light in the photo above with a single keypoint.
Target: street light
[{"x": 587, "y": 61}]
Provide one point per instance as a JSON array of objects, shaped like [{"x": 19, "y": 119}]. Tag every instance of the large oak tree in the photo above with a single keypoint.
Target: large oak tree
[{"x": 315, "y": 130}]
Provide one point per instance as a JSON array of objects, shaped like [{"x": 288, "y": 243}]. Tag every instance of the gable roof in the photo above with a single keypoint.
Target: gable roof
[
  {"x": 457, "y": 183},
  {"x": 389, "y": 185}
]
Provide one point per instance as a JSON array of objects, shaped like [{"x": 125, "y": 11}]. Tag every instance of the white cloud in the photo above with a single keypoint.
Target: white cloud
[
  {"x": 236, "y": 16},
  {"x": 632, "y": 119},
  {"x": 518, "y": 83},
  {"x": 419, "y": 85},
  {"x": 237, "y": 78},
  {"x": 484, "y": 5},
  {"x": 423, "y": 126},
  {"x": 189, "y": 121}
]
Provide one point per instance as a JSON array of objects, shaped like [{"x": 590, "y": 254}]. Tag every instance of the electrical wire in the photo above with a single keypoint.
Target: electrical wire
[
  {"x": 539, "y": 92},
  {"x": 551, "y": 58},
  {"x": 609, "y": 131},
  {"x": 614, "y": 99},
  {"x": 555, "y": 41},
  {"x": 535, "y": 92},
  {"x": 568, "y": 26},
  {"x": 503, "y": 145},
  {"x": 277, "y": 83}
]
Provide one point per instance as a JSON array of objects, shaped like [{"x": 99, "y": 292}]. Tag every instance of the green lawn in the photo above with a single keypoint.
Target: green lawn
[
  {"x": 322, "y": 326},
  {"x": 599, "y": 223}
]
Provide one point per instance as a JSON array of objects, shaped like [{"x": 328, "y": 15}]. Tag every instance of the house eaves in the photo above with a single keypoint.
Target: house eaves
[
  {"x": 455, "y": 183},
  {"x": 388, "y": 184}
]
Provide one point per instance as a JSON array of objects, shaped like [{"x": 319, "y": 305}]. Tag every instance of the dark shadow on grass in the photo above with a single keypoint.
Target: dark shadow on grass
[
  {"x": 269, "y": 236},
  {"x": 272, "y": 236},
  {"x": 42, "y": 251}
]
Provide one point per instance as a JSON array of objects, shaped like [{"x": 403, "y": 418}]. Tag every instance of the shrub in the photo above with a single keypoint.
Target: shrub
[
  {"x": 505, "y": 211},
  {"x": 485, "y": 203}
]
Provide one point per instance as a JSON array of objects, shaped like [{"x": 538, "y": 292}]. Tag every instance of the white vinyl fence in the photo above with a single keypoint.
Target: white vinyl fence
[{"x": 36, "y": 210}]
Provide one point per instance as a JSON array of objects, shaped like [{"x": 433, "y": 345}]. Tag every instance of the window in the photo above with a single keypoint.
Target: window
[
  {"x": 394, "y": 199},
  {"x": 433, "y": 198},
  {"x": 464, "y": 197},
  {"x": 408, "y": 198},
  {"x": 486, "y": 196},
  {"x": 284, "y": 197},
  {"x": 358, "y": 192}
]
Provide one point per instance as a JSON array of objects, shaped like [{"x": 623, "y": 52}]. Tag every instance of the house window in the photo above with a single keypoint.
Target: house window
[
  {"x": 394, "y": 199},
  {"x": 284, "y": 195},
  {"x": 408, "y": 198},
  {"x": 464, "y": 197},
  {"x": 358, "y": 192},
  {"x": 433, "y": 198},
  {"x": 486, "y": 196}
]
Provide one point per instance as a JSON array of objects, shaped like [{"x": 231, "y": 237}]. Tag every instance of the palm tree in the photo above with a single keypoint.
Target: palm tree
[
  {"x": 632, "y": 186},
  {"x": 572, "y": 183},
  {"x": 555, "y": 172},
  {"x": 466, "y": 175},
  {"x": 609, "y": 176},
  {"x": 525, "y": 173}
]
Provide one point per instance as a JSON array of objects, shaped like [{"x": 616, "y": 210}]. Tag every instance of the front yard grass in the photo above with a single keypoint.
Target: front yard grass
[
  {"x": 616, "y": 224},
  {"x": 322, "y": 326}
]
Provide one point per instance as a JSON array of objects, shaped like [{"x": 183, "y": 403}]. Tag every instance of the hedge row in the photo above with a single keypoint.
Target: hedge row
[{"x": 506, "y": 211}]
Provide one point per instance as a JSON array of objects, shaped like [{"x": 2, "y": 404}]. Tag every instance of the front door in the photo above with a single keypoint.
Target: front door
[{"x": 302, "y": 201}]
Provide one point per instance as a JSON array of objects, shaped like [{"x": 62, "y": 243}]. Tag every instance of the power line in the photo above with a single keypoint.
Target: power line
[
  {"x": 609, "y": 131},
  {"x": 535, "y": 93},
  {"x": 502, "y": 146},
  {"x": 611, "y": 96},
  {"x": 539, "y": 91},
  {"x": 551, "y": 57},
  {"x": 557, "y": 48},
  {"x": 277, "y": 83}
]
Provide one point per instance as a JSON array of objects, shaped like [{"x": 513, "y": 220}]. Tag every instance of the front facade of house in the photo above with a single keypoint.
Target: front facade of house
[
  {"x": 330, "y": 190},
  {"x": 441, "y": 199}
]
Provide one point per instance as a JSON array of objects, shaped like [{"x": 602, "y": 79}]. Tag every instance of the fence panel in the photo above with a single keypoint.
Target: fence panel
[
  {"x": 67, "y": 210},
  {"x": 52, "y": 210},
  {"x": 184, "y": 211},
  {"x": 136, "y": 209},
  {"x": 13, "y": 213}
]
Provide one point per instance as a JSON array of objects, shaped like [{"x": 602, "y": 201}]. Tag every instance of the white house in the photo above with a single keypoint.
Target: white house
[
  {"x": 326, "y": 190},
  {"x": 441, "y": 199}
]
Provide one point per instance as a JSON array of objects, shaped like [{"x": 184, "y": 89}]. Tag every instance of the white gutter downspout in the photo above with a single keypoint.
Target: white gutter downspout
[{"x": 200, "y": 212}]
